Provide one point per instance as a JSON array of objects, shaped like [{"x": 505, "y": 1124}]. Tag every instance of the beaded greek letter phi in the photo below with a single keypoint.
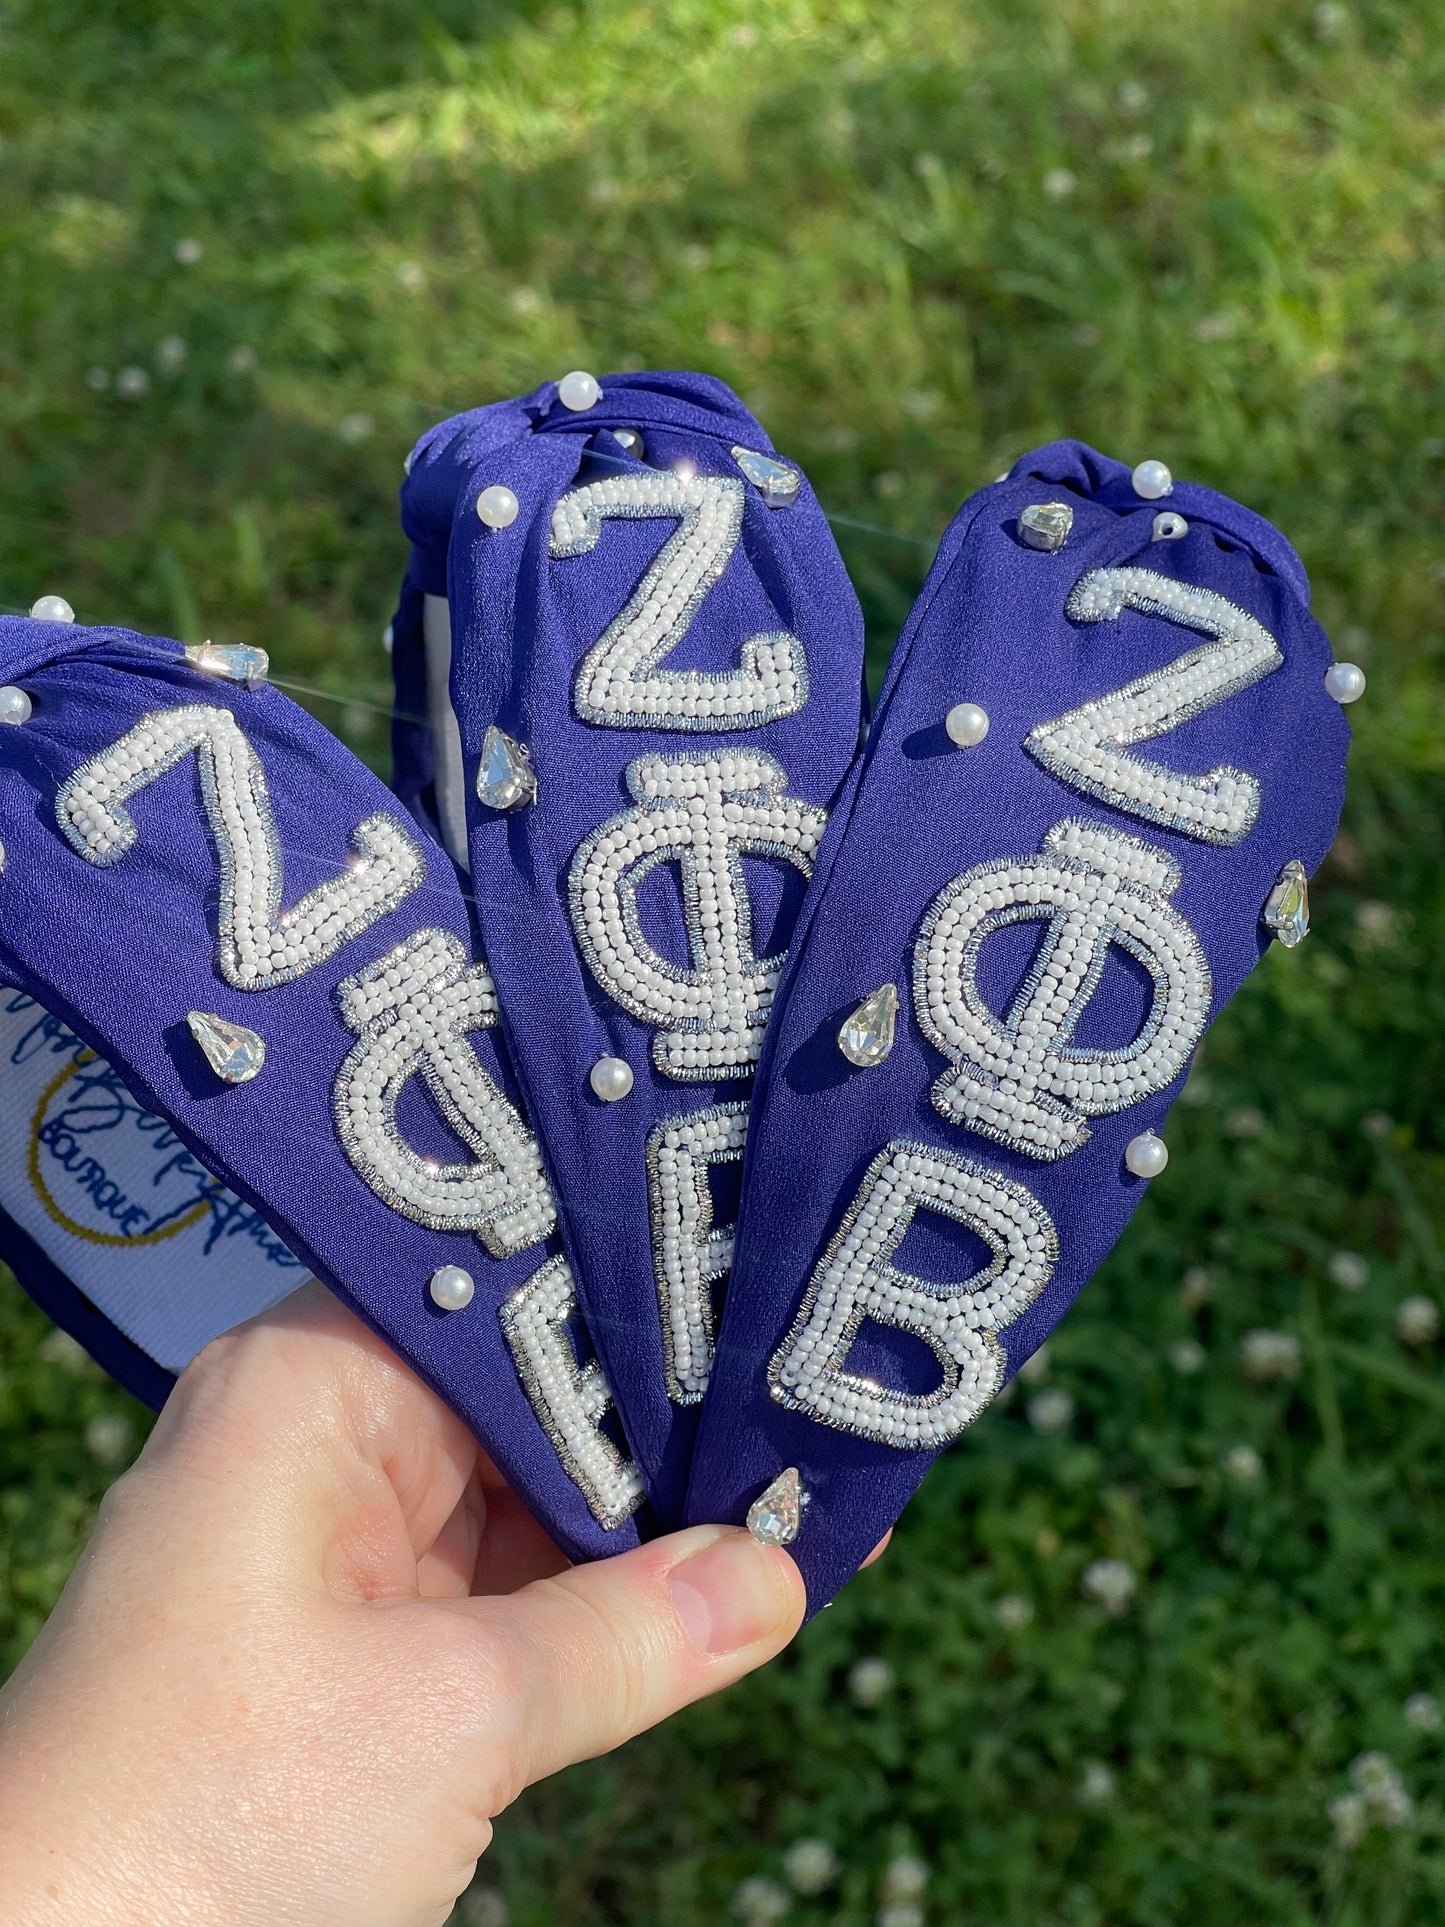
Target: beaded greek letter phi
[
  {"x": 705, "y": 813},
  {"x": 1019, "y": 1079},
  {"x": 1088, "y": 747},
  {"x": 856, "y": 1280},
  {"x": 619, "y": 682},
  {"x": 413, "y": 1010},
  {"x": 570, "y": 1400},
  {"x": 259, "y": 945}
]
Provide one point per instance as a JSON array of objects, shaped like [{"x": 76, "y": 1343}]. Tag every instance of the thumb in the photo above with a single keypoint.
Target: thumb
[{"x": 601, "y": 1652}]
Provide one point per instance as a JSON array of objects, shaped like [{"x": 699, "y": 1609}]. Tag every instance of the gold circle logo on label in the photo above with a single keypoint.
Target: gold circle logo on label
[{"x": 90, "y": 1233}]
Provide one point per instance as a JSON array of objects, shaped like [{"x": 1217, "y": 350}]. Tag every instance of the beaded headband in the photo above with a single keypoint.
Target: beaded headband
[
  {"x": 1107, "y": 756},
  {"x": 508, "y": 1071}
]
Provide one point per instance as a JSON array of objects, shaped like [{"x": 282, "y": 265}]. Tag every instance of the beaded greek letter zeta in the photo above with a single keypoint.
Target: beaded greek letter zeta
[
  {"x": 258, "y": 945},
  {"x": 619, "y": 682},
  {"x": 1087, "y": 747}
]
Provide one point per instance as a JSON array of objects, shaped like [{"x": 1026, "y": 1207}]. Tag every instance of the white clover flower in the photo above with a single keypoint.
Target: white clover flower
[
  {"x": 133, "y": 383},
  {"x": 1245, "y": 1120},
  {"x": 1377, "y": 923},
  {"x": 1269, "y": 1354},
  {"x": 901, "y": 1913},
  {"x": 411, "y": 276},
  {"x": 1059, "y": 183},
  {"x": 871, "y": 1680},
  {"x": 1187, "y": 1356},
  {"x": 108, "y": 1438},
  {"x": 1347, "y": 1812},
  {"x": 1196, "y": 1288},
  {"x": 1111, "y": 1582},
  {"x": 1376, "y": 1779},
  {"x": 905, "y": 1878},
  {"x": 356, "y": 427},
  {"x": 241, "y": 360},
  {"x": 1098, "y": 1786},
  {"x": 759, "y": 1901},
  {"x": 1422, "y": 1711},
  {"x": 1418, "y": 1321},
  {"x": 171, "y": 352},
  {"x": 188, "y": 251},
  {"x": 1051, "y": 1410},
  {"x": 481, "y": 1907},
  {"x": 524, "y": 301},
  {"x": 1349, "y": 1271},
  {"x": 59, "y": 1348},
  {"x": 97, "y": 380},
  {"x": 1133, "y": 97},
  {"x": 1035, "y": 1368},
  {"x": 811, "y": 1865},
  {"x": 1242, "y": 1462},
  {"x": 1215, "y": 327},
  {"x": 1376, "y": 1124},
  {"x": 1329, "y": 20},
  {"x": 1013, "y": 1612}
]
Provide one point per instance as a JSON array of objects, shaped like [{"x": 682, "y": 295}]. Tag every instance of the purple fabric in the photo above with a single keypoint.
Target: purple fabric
[
  {"x": 990, "y": 628},
  {"x": 521, "y": 624},
  {"x": 122, "y": 953}
]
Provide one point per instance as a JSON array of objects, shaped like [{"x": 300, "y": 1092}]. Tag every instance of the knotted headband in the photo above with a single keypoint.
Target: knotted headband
[{"x": 1103, "y": 764}]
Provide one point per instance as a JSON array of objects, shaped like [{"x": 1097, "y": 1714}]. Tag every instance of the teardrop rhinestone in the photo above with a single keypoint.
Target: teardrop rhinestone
[
  {"x": 1045, "y": 525},
  {"x": 775, "y": 481},
  {"x": 775, "y": 1517},
  {"x": 1287, "y": 907},
  {"x": 234, "y": 1053},
  {"x": 236, "y": 661},
  {"x": 867, "y": 1036},
  {"x": 505, "y": 777}
]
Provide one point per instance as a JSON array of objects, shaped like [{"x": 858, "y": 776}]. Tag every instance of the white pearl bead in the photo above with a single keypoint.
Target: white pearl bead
[
  {"x": 1146, "y": 1155},
  {"x": 52, "y": 608},
  {"x": 452, "y": 1288},
  {"x": 498, "y": 506},
  {"x": 579, "y": 391},
  {"x": 1345, "y": 681},
  {"x": 966, "y": 724},
  {"x": 1169, "y": 527},
  {"x": 1151, "y": 480},
  {"x": 610, "y": 1078},
  {"x": 14, "y": 705}
]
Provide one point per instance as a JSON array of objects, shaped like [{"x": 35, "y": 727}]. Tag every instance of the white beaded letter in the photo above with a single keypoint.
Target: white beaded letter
[
  {"x": 1020, "y": 1080},
  {"x": 259, "y": 945},
  {"x": 704, "y": 814},
  {"x": 412, "y": 1011},
  {"x": 1087, "y": 747},
  {"x": 570, "y": 1400},
  {"x": 856, "y": 1280},
  {"x": 619, "y": 682},
  {"x": 690, "y": 1253}
]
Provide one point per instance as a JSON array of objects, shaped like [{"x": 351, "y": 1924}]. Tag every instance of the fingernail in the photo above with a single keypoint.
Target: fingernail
[{"x": 728, "y": 1595}]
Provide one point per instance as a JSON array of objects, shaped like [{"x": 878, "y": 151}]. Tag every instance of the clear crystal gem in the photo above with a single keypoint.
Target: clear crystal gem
[
  {"x": 234, "y": 1053},
  {"x": 775, "y": 481},
  {"x": 1045, "y": 525},
  {"x": 1287, "y": 907},
  {"x": 505, "y": 777},
  {"x": 236, "y": 661},
  {"x": 775, "y": 1517},
  {"x": 867, "y": 1036},
  {"x": 631, "y": 442}
]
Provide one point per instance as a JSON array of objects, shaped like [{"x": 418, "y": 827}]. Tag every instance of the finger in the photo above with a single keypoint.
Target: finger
[
  {"x": 444, "y": 1570},
  {"x": 515, "y": 1549},
  {"x": 602, "y": 1652},
  {"x": 878, "y": 1550}
]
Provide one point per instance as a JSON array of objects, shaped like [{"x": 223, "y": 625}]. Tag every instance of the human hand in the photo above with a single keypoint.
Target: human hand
[{"x": 315, "y": 1645}]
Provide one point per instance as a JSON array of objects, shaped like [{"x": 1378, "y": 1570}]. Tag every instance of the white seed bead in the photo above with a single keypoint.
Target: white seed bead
[
  {"x": 1146, "y": 1155},
  {"x": 579, "y": 391},
  {"x": 1169, "y": 527},
  {"x": 966, "y": 724},
  {"x": 452, "y": 1288},
  {"x": 52, "y": 608},
  {"x": 14, "y": 705},
  {"x": 1345, "y": 681},
  {"x": 1151, "y": 480},
  {"x": 498, "y": 506},
  {"x": 611, "y": 1078}
]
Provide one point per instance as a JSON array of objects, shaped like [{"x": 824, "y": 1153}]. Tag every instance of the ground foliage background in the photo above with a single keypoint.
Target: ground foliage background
[{"x": 248, "y": 252}]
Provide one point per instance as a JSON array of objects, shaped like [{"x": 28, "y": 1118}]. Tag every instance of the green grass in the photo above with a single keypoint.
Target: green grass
[{"x": 842, "y": 207}]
